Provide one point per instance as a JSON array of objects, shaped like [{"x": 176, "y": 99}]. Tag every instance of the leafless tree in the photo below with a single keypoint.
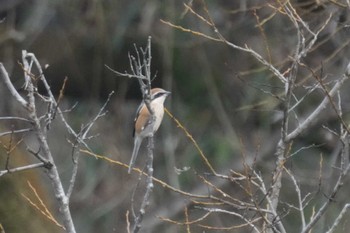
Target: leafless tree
[
  {"x": 39, "y": 124},
  {"x": 262, "y": 212},
  {"x": 249, "y": 195}
]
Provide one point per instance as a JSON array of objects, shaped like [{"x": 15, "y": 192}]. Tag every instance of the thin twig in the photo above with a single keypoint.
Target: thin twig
[
  {"x": 15, "y": 118},
  {"x": 15, "y": 131},
  {"x": 23, "y": 168},
  {"x": 83, "y": 136},
  {"x": 44, "y": 212},
  {"x": 160, "y": 182},
  {"x": 201, "y": 153},
  {"x": 217, "y": 210},
  {"x": 300, "y": 201}
]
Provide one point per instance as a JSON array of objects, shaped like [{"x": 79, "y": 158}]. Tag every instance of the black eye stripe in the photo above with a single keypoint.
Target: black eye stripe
[{"x": 159, "y": 94}]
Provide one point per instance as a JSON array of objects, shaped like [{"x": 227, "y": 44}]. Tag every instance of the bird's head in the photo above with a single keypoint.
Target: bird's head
[{"x": 159, "y": 94}]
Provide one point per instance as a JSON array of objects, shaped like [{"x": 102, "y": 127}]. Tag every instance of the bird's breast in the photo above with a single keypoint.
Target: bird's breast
[{"x": 158, "y": 113}]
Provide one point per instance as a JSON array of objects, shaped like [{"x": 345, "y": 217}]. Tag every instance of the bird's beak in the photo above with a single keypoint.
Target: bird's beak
[{"x": 168, "y": 93}]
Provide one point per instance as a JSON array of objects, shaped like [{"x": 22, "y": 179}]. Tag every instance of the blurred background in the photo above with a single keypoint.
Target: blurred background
[{"x": 222, "y": 96}]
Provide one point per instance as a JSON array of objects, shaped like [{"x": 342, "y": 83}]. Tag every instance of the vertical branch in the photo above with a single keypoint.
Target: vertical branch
[
  {"x": 146, "y": 88},
  {"x": 301, "y": 49},
  {"x": 41, "y": 136},
  {"x": 300, "y": 200},
  {"x": 140, "y": 67},
  {"x": 149, "y": 186}
]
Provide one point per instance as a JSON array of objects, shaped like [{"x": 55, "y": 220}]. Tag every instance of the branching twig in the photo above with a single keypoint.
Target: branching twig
[
  {"x": 82, "y": 137},
  {"x": 300, "y": 200},
  {"x": 28, "y": 59},
  {"x": 43, "y": 210},
  {"x": 312, "y": 118},
  {"x": 217, "y": 210}
]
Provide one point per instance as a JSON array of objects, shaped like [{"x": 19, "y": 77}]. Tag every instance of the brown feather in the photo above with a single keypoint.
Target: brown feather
[{"x": 143, "y": 118}]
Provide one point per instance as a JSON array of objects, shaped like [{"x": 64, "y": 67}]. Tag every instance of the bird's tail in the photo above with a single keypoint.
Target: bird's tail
[{"x": 137, "y": 144}]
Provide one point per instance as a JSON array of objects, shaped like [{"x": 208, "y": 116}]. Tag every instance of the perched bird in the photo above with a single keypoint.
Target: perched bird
[{"x": 143, "y": 124}]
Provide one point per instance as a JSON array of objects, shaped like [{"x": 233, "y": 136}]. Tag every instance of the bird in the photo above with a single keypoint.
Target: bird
[{"x": 143, "y": 125}]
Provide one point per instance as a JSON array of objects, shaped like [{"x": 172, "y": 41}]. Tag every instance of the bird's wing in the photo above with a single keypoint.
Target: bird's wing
[
  {"x": 136, "y": 116},
  {"x": 142, "y": 119}
]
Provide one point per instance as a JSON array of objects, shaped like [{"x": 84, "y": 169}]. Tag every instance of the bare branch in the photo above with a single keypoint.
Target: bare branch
[
  {"x": 339, "y": 218},
  {"x": 217, "y": 210},
  {"x": 40, "y": 132},
  {"x": 343, "y": 173},
  {"x": 5, "y": 77},
  {"x": 100, "y": 114},
  {"x": 43, "y": 208},
  {"x": 312, "y": 118},
  {"x": 201, "y": 153},
  {"x": 15, "y": 118},
  {"x": 125, "y": 74},
  {"x": 16, "y": 131},
  {"x": 75, "y": 147},
  {"x": 300, "y": 200},
  {"x": 142, "y": 66},
  {"x": 23, "y": 168}
]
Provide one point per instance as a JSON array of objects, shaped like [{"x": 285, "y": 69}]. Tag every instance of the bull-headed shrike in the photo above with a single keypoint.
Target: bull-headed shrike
[{"x": 144, "y": 127}]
